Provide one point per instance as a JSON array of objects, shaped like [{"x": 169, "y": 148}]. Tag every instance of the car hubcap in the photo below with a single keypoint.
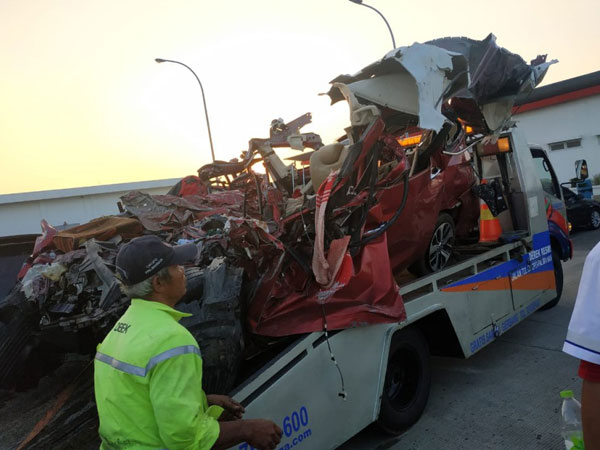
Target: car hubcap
[
  {"x": 595, "y": 219},
  {"x": 440, "y": 248}
]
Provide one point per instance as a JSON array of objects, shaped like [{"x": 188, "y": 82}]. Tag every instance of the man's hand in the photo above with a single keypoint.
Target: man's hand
[
  {"x": 233, "y": 410},
  {"x": 259, "y": 433},
  {"x": 263, "y": 434}
]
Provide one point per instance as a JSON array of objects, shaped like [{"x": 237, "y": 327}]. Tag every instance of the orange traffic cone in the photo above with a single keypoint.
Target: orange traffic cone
[{"x": 489, "y": 226}]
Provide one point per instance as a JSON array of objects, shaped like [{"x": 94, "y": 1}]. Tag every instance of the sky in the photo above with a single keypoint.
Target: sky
[{"x": 83, "y": 103}]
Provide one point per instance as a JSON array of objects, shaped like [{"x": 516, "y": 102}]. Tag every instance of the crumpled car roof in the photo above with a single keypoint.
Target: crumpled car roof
[{"x": 418, "y": 79}]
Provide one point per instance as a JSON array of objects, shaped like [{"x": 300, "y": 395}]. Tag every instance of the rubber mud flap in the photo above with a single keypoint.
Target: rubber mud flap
[{"x": 558, "y": 276}]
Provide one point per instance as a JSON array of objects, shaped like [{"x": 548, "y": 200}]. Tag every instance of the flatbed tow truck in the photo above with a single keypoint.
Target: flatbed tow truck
[{"x": 326, "y": 387}]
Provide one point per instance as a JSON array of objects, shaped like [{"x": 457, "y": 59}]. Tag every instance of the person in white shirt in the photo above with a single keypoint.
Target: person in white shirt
[{"x": 583, "y": 342}]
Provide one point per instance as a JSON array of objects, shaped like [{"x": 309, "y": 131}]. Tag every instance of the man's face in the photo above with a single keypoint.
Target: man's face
[{"x": 175, "y": 287}]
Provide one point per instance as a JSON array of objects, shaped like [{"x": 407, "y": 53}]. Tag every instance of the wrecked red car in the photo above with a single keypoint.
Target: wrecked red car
[{"x": 295, "y": 249}]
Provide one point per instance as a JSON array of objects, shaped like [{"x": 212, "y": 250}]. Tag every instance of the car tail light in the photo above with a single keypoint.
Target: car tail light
[{"x": 409, "y": 141}]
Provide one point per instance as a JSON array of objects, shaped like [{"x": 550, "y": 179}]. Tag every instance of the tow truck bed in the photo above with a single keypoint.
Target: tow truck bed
[{"x": 323, "y": 389}]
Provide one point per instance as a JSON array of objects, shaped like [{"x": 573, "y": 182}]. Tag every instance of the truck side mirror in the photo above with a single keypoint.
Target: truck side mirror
[{"x": 581, "y": 169}]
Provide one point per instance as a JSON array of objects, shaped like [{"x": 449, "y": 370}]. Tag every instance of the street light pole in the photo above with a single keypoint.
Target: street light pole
[
  {"x": 212, "y": 150},
  {"x": 359, "y": 2}
]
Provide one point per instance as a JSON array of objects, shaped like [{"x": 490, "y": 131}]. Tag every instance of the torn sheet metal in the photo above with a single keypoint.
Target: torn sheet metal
[
  {"x": 496, "y": 76},
  {"x": 102, "y": 229},
  {"x": 167, "y": 212},
  {"x": 283, "y": 305},
  {"x": 414, "y": 80},
  {"x": 44, "y": 241},
  {"x": 418, "y": 79},
  {"x": 74, "y": 290},
  {"x": 494, "y": 72}
]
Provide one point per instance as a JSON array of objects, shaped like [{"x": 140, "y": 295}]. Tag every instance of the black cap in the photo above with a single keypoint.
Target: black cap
[{"x": 144, "y": 256}]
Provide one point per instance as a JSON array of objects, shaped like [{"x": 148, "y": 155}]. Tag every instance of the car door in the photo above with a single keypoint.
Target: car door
[{"x": 552, "y": 189}]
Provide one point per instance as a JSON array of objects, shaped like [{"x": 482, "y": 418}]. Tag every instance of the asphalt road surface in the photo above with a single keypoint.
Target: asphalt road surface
[{"x": 507, "y": 395}]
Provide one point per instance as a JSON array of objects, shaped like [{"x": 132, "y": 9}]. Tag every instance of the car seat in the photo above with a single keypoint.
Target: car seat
[{"x": 323, "y": 161}]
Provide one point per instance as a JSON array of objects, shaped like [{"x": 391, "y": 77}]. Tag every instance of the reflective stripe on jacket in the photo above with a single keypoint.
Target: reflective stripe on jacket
[{"x": 148, "y": 383}]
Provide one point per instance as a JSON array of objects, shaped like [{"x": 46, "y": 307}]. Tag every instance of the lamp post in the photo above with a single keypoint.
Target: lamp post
[
  {"x": 212, "y": 150},
  {"x": 359, "y": 2}
]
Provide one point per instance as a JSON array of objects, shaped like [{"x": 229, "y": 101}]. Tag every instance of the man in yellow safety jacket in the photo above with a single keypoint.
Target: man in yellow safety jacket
[{"x": 148, "y": 369}]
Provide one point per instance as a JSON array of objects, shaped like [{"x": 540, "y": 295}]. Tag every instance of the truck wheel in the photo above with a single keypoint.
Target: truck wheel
[
  {"x": 407, "y": 382},
  {"x": 439, "y": 249},
  {"x": 558, "y": 276}
]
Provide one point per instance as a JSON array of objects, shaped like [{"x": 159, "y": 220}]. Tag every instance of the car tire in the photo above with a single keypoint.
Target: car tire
[
  {"x": 594, "y": 219},
  {"x": 194, "y": 285},
  {"x": 558, "y": 276},
  {"x": 407, "y": 382},
  {"x": 213, "y": 298},
  {"x": 439, "y": 249}
]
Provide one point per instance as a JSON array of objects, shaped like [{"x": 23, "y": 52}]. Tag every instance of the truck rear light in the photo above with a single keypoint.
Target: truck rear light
[{"x": 502, "y": 145}]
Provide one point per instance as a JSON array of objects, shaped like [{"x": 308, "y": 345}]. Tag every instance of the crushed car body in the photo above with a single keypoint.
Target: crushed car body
[{"x": 300, "y": 249}]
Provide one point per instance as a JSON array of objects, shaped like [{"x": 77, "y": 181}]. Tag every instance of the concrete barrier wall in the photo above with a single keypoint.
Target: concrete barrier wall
[{"x": 22, "y": 213}]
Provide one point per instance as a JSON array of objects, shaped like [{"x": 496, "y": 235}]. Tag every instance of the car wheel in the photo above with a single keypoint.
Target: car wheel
[
  {"x": 558, "y": 276},
  {"x": 407, "y": 381},
  {"x": 595, "y": 219},
  {"x": 439, "y": 250}
]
